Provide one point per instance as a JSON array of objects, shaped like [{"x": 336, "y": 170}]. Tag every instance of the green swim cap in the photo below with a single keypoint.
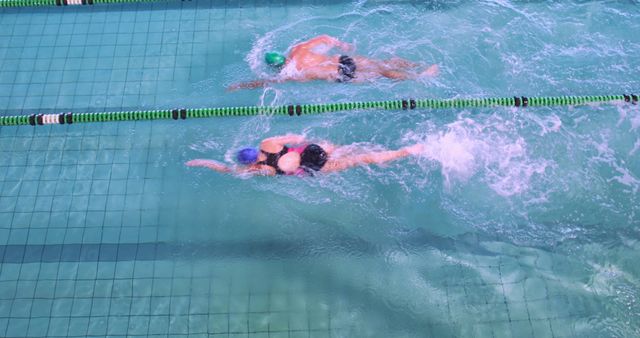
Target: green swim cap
[{"x": 274, "y": 59}]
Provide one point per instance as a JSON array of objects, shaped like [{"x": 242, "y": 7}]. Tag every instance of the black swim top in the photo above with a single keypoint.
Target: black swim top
[
  {"x": 346, "y": 69},
  {"x": 272, "y": 159}
]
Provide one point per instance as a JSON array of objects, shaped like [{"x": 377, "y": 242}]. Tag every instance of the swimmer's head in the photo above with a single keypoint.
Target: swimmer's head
[
  {"x": 313, "y": 157},
  {"x": 247, "y": 156},
  {"x": 275, "y": 60}
]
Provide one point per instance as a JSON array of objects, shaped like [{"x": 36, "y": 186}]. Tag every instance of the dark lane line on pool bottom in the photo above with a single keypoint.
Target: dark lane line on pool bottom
[{"x": 262, "y": 249}]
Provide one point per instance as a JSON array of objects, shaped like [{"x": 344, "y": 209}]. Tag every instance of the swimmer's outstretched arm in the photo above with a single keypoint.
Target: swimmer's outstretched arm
[
  {"x": 371, "y": 158},
  {"x": 221, "y": 168}
]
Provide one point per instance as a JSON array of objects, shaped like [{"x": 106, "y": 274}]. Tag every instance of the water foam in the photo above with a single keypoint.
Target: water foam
[
  {"x": 606, "y": 154},
  {"x": 468, "y": 147}
]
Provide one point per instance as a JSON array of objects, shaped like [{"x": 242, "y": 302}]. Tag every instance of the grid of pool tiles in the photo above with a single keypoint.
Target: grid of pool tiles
[
  {"x": 83, "y": 251},
  {"x": 79, "y": 185},
  {"x": 110, "y": 57},
  {"x": 132, "y": 298},
  {"x": 206, "y": 297},
  {"x": 127, "y": 56}
]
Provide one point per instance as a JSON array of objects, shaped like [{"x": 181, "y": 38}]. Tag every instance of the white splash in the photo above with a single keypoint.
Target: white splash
[
  {"x": 636, "y": 146},
  {"x": 255, "y": 55},
  {"x": 607, "y": 155},
  {"x": 492, "y": 149},
  {"x": 547, "y": 123}
]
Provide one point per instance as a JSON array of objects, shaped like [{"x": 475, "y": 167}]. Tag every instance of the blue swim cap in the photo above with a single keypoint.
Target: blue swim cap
[{"x": 247, "y": 155}]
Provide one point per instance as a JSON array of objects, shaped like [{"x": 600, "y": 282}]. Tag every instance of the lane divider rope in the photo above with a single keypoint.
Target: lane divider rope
[
  {"x": 40, "y": 3},
  {"x": 309, "y": 109}
]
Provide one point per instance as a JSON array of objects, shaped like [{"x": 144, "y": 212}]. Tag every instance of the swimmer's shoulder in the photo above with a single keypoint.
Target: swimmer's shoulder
[{"x": 290, "y": 71}]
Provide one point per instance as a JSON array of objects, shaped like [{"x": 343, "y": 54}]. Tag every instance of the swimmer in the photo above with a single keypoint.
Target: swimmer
[
  {"x": 293, "y": 155},
  {"x": 309, "y": 61}
]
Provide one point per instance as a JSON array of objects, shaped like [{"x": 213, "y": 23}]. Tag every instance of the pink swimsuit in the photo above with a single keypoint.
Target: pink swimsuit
[{"x": 299, "y": 150}]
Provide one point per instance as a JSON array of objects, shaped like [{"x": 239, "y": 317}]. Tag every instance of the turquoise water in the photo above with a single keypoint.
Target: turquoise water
[{"x": 513, "y": 223}]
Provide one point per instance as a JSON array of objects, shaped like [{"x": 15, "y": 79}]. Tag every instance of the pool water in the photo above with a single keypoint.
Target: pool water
[{"x": 512, "y": 223}]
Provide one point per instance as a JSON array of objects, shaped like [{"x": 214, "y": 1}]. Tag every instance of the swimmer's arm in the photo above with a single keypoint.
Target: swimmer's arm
[
  {"x": 275, "y": 144},
  {"x": 221, "y": 168},
  {"x": 325, "y": 40},
  {"x": 365, "y": 159},
  {"x": 284, "y": 139},
  {"x": 327, "y": 146}
]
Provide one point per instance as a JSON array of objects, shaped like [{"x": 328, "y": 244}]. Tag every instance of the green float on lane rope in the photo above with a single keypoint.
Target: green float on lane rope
[{"x": 307, "y": 109}]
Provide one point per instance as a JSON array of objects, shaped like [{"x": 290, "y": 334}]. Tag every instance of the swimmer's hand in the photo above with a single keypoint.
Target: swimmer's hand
[
  {"x": 199, "y": 163},
  {"x": 211, "y": 164},
  {"x": 432, "y": 71}
]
